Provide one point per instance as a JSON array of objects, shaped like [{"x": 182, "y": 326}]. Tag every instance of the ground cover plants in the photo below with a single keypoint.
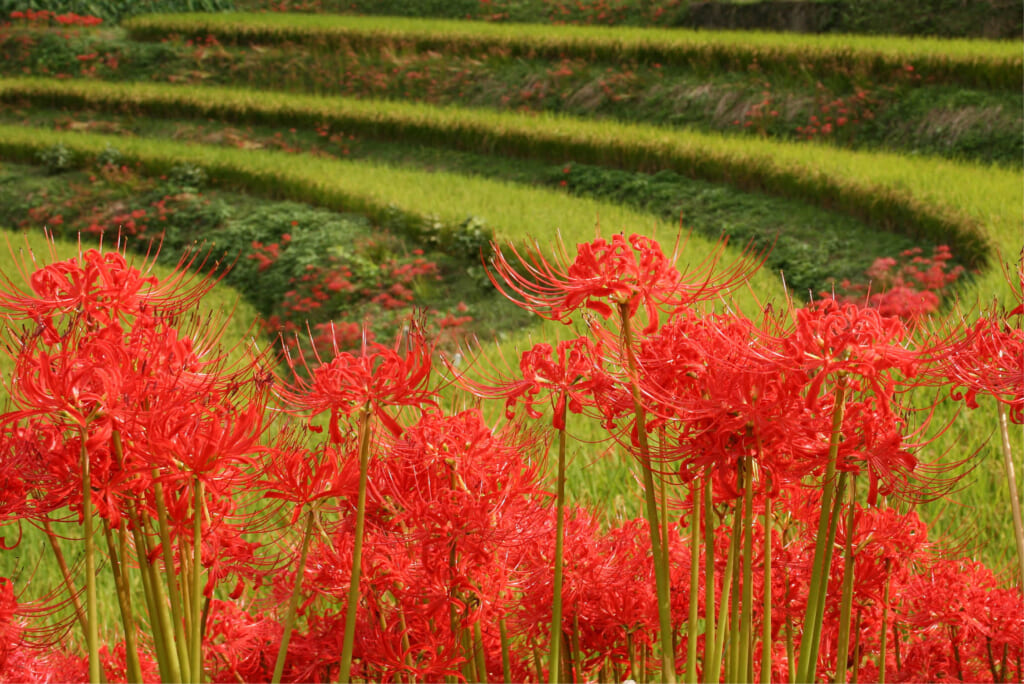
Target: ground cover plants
[{"x": 683, "y": 471}]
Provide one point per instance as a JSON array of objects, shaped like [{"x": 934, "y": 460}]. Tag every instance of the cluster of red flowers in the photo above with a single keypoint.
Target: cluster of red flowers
[
  {"x": 909, "y": 287},
  {"x": 46, "y": 17},
  {"x": 114, "y": 385}
]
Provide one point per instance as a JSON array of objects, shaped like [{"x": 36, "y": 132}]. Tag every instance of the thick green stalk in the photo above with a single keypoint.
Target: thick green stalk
[
  {"x": 846, "y": 601},
  {"x": 766, "y": 609},
  {"x": 156, "y": 631},
  {"x": 357, "y": 552},
  {"x": 745, "y": 657},
  {"x": 196, "y": 636},
  {"x": 732, "y": 651},
  {"x": 819, "y": 609},
  {"x": 709, "y": 582},
  {"x": 819, "y": 567},
  {"x": 506, "y": 660},
  {"x": 658, "y": 551},
  {"x": 174, "y": 595},
  {"x": 723, "y": 628},
  {"x": 790, "y": 650},
  {"x": 293, "y": 602},
  {"x": 175, "y": 666},
  {"x": 691, "y": 623},
  {"x": 124, "y": 601},
  {"x": 556, "y": 599},
  {"x": 1011, "y": 481},
  {"x": 92, "y": 637},
  {"x": 479, "y": 655}
]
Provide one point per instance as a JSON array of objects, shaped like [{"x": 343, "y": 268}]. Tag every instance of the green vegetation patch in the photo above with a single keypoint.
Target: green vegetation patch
[
  {"x": 306, "y": 270},
  {"x": 891, "y": 192},
  {"x": 994, "y": 64},
  {"x": 811, "y": 246}
]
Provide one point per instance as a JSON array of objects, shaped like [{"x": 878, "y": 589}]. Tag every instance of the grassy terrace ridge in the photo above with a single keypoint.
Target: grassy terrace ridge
[
  {"x": 976, "y": 63},
  {"x": 514, "y": 212},
  {"x": 972, "y": 208}
]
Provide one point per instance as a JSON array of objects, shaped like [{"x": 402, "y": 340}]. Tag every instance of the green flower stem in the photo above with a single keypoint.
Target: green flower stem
[
  {"x": 745, "y": 656},
  {"x": 122, "y": 585},
  {"x": 174, "y": 594},
  {"x": 732, "y": 652},
  {"x": 766, "y": 618},
  {"x": 293, "y": 602},
  {"x": 691, "y": 622},
  {"x": 479, "y": 653},
  {"x": 156, "y": 602},
  {"x": 846, "y": 602},
  {"x": 506, "y": 660},
  {"x": 196, "y": 636},
  {"x": 822, "y": 550},
  {"x": 723, "y": 626},
  {"x": 659, "y": 556},
  {"x": 65, "y": 574},
  {"x": 1011, "y": 481},
  {"x": 556, "y": 599},
  {"x": 92, "y": 638},
  {"x": 885, "y": 629},
  {"x": 663, "y": 505},
  {"x": 345, "y": 669},
  {"x": 631, "y": 652},
  {"x": 709, "y": 581},
  {"x": 819, "y": 609},
  {"x": 124, "y": 601},
  {"x": 577, "y": 655},
  {"x": 790, "y": 650}
]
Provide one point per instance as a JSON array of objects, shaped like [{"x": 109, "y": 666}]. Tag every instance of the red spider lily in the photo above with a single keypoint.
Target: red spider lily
[
  {"x": 10, "y": 629},
  {"x": 101, "y": 286},
  {"x": 988, "y": 361},
  {"x": 633, "y": 272},
  {"x": 448, "y": 505},
  {"x": 962, "y": 626},
  {"x": 831, "y": 338},
  {"x": 240, "y": 646},
  {"x": 377, "y": 378},
  {"x": 608, "y": 595},
  {"x": 720, "y": 394},
  {"x": 570, "y": 380},
  {"x": 302, "y": 476}
]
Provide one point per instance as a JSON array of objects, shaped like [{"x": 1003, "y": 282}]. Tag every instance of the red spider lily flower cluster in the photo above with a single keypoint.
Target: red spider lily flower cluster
[
  {"x": 46, "y": 17},
  {"x": 375, "y": 379},
  {"x": 456, "y": 535},
  {"x": 604, "y": 274},
  {"x": 570, "y": 376}
]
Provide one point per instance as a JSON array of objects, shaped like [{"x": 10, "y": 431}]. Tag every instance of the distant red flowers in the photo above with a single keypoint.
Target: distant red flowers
[{"x": 47, "y": 17}]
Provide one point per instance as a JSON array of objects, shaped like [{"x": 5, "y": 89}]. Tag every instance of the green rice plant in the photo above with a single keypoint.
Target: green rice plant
[
  {"x": 889, "y": 191},
  {"x": 991, "y": 64},
  {"x": 516, "y": 213}
]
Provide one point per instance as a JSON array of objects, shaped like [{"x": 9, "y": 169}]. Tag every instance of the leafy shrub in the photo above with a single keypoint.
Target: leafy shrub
[
  {"x": 57, "y": 158},
  {"x": 187, "y": 177},
  {"x": 110, "y": 156}
]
